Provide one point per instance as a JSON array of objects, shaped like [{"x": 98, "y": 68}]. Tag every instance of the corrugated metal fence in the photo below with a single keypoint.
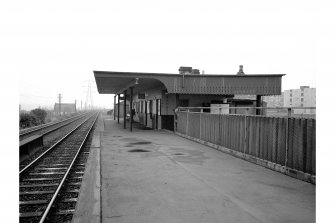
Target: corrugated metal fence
[{"x": 289, "y": 142}]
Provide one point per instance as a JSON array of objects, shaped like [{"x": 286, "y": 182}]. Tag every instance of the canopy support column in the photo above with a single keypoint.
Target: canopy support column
[
  {"x": 114, "y": 106},
  {"x": 118, "y": 109},
  {"x": 131, "y": 108}
]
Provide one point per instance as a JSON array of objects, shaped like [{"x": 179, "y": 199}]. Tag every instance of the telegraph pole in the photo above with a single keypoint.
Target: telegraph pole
[{"x": 59, "y": 101}]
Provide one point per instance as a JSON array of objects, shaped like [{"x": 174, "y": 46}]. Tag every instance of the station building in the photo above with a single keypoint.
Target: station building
[{"x": 154, "y": 97}]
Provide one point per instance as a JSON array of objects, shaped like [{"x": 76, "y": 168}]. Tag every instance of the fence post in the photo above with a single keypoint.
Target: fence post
[
  {"x": 286, "y": 142},
  {"x": 289, "y": 112},
  {"x": 175, "y": 118},
  {"x": 200, "y": 126},
  {"x": 187, "y": 111},
  {"x": 245, "y": 133}
]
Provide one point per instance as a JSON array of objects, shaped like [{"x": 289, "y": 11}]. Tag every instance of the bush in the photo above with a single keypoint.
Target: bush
[
  {"x": 40, "y": 114},
  {"x": 35, "y": 117},
  {"x": 28, "y": 120}
]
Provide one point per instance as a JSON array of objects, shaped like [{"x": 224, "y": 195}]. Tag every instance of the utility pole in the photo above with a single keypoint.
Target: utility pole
[
  {"x": 75, "y": 105},
  {"x": 59, "y": 101}
]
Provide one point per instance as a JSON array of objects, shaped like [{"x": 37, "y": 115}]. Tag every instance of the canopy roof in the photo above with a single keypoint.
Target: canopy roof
[{"x": 112, "y": 82}]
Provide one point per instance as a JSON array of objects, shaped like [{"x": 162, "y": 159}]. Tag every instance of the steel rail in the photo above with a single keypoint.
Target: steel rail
[
  {"x": 37, "y": 128},
  {"x": 45, "y": 152},
  {"x": 46, "y": 212}
]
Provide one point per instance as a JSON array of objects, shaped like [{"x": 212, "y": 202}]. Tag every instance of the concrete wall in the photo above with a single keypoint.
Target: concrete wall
[
  {"x": 169, "y": 103},
  {"x": 274, "y": 101}
]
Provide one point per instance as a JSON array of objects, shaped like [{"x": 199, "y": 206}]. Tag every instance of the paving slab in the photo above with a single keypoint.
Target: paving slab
[{"x": 156, "y": 176}]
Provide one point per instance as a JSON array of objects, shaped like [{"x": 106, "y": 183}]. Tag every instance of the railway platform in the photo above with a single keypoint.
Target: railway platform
[{"x": 156, "y": 176}]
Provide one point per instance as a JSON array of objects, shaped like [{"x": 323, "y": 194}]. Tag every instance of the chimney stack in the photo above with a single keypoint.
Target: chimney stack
[
  {"x": 195, "y": 71},
  {"x": 240, "y": 72},
  {"x": 185, "y": 70}
]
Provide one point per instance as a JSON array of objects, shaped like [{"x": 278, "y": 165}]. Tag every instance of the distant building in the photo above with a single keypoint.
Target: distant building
[
  {"x": 303, "y": 97},
  {"x": 65, "y": 108}
]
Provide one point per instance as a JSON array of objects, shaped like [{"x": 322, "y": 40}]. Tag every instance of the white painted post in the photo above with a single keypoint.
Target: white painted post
[
  {"x": 245, "y": 133},
  {"x": 187, "y": 111},
  {"x": 200, "y": 125},
  {"x": 286, "y": 142}
]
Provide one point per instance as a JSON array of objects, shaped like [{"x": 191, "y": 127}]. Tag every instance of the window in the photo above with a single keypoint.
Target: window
[
  {"x": 302, "y": 99},
  {"x": 183, "y": 103}
]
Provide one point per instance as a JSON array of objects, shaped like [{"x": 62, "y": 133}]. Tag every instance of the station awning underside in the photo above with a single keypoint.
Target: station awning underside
[{"x": 109, "y": 82}]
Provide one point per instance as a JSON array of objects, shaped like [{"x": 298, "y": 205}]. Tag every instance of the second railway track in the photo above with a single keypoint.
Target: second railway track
[
  {"x": 49, "y": 127},
  {"x": 49, "y": 186},
  {"x": 49, "y": 137}
]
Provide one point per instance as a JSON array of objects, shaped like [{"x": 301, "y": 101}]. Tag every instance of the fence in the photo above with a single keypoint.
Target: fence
[{"x": 289, "y": 141}]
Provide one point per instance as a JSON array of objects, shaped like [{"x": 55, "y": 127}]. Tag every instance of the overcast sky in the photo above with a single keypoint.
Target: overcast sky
[{"x": 55, "y": 46}]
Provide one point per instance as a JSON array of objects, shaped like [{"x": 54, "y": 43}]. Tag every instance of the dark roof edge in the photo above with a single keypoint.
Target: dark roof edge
[{"x": 193, "y": 75}]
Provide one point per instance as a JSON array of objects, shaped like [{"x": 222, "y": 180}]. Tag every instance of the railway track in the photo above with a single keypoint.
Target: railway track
[
  {"x": 49, "y": 186},
  {"x": 49, "y": 137},
  {"x": 47, "y": 128}
]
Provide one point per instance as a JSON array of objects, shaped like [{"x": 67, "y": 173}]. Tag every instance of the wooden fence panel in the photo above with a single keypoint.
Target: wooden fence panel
[
  {"x": 281, "y": 141},
  {"x": 263, "y": 137},
  {"x": 274, "y": 137},
  {"x": 181, "y": 120},
  {"x": 194, "y": 125},
  {"x": 310, "y": 146}
]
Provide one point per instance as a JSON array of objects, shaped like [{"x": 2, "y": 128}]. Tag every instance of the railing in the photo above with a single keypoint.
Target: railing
[
  {"x": 305, "y": 112},
  {"x": 287, "y": 141}
]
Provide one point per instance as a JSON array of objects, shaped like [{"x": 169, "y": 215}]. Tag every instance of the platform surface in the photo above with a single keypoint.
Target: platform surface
[{"x": 178, "y": 180}]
